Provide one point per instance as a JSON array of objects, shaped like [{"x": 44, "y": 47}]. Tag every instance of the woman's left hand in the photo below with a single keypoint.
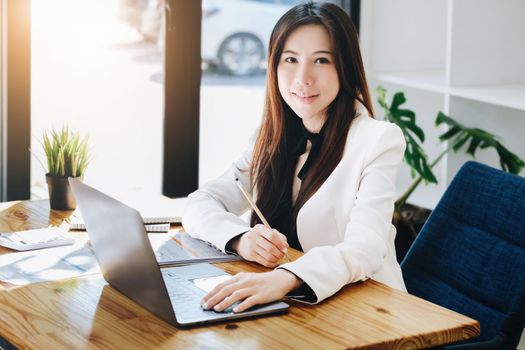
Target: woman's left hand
[{"x": 253, "y": 288}]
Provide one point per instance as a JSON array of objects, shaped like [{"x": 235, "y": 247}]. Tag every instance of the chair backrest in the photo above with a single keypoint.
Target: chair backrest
[{"x": 470, "y": 254}]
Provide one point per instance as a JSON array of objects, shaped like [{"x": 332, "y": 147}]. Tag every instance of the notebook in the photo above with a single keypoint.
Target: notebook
[
  {"x": 77, "y": 224},
  {"x": 157, "y": 211}
]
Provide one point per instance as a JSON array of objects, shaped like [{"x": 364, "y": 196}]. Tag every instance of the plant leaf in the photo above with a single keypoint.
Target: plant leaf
[
  {"x": 66, "y": 152},
  {"x": 414, "y": 155},
  {"x": 458, "y": 135}
]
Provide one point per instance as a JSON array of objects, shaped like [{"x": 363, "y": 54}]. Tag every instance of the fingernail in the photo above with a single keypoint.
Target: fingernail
[
  {"x": 235, "y": 309},
  {"x": 205, "y": 306},
  {"x": 216, "y": 308}
]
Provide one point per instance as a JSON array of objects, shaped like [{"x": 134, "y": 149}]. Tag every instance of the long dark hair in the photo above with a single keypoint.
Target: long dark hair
[{"x": 273, "y": 164}]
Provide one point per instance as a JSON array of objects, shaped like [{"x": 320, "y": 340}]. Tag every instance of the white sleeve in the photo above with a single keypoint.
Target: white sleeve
[
  {"x": 326, "y": 269},
  {"x": 213, "y": 211}
]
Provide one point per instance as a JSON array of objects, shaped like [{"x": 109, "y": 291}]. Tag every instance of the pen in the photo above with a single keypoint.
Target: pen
[{"x": 256, "y": 209}]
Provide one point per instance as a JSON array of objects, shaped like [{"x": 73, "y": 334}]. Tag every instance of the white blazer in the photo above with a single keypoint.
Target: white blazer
[{"x": 345, "y": 228}]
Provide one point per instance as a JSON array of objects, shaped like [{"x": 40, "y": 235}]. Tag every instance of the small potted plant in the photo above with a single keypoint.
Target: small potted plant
[{"x": 67, "y": 156}]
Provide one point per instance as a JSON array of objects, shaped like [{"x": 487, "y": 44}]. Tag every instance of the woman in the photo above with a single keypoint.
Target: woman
[{"x": 321, "y": 168}]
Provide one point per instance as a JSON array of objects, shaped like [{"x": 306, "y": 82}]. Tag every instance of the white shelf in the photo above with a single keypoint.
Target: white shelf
[
  {"x": 408, "y": 35},
  {"x": 486, "y": 43},
  {"x": 511, "y": 95},
  {"x": 431, "y": 80},
  {"x": 506, "y": 95},
  {"x": 444, "y": 58}
]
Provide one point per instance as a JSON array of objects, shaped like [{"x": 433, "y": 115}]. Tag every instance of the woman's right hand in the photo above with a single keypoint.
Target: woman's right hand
[{"x": 263, "y": 245}]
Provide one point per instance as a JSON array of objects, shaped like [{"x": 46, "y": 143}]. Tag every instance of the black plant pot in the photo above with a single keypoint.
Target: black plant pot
[
  {"x": 60, "y": 194},
  {"x": 408, "y": 223}
]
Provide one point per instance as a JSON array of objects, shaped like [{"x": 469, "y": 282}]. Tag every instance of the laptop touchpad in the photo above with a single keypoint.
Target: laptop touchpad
[{"x": 208, "y": 283}]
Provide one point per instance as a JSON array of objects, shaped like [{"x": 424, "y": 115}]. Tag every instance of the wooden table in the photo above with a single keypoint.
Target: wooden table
[{"x": 86, "y": 313}]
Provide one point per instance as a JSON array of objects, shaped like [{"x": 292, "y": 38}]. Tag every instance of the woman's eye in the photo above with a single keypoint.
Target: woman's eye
[
  {"x": 290, "y": 60},
  {"x": 322, "y": 60}
]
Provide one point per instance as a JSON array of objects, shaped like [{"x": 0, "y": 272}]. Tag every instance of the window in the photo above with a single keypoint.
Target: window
[{"x": 97, "y": 66}]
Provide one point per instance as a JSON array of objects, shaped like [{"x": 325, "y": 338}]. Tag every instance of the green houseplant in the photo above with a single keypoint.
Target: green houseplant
[
  {"x": 408, "y": 218},
  {"x": 67, "y": 155}
]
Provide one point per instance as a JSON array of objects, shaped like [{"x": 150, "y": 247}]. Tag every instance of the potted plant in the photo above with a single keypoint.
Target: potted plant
[
  {"x": 67, "y": 156},
  {"x": 409, "y": 218}
]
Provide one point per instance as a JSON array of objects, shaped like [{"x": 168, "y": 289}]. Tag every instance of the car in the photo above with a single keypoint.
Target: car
[{"x": 235, "y": 33}]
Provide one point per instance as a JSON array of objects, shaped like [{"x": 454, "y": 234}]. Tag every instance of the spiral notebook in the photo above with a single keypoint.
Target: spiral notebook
[{"x": 158, "y": 212}]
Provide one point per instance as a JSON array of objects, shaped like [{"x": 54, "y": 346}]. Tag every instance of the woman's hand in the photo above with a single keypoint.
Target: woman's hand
[
  {"x": 262, "y": 245},
  {"x": 253, "y": 288}
]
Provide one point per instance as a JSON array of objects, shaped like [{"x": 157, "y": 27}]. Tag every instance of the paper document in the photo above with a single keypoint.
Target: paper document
[
  {"x": 49, "y": 264},
  {"x": 36, "y": 238},
  {"x": 21, "y": 268},
  {"x": 181, "y": 248}
]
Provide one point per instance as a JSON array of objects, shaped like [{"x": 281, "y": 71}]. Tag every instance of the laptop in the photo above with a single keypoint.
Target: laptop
[{"x": 127, "y": 261}]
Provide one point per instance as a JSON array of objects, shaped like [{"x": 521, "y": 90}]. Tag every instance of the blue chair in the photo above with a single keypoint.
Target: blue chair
[
  {"x": 470, "y": 255},
  {"x": 5, "y": 345}
]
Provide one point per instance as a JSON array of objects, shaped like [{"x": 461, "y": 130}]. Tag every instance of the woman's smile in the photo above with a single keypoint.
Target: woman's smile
[{"x": 304, "y": 98}]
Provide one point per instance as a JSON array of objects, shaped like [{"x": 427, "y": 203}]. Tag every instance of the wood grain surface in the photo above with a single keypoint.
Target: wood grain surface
[{"x": 86, "y": 313}]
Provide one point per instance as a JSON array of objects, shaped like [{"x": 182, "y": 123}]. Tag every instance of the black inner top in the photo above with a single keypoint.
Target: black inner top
[{"x": 282, "y": 221}]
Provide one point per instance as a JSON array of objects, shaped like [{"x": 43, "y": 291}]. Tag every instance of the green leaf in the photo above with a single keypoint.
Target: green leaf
[
  {"x": 66, "y": 152},
  {"x": 458, "y": 135},
  {"x": 451, "y": 132},
  {"x": 381, "y": 97},
  {"x": 414, "y": 155},
  {"x": 398, "y": 100},
  {"x": 460, "y": 140},
  {"x": 474, "y": 144}
]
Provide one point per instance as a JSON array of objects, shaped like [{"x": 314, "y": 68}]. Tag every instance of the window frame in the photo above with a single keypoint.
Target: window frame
[
  {"x": 181, "y": 97},
  {"x": 16, "y": 100}
]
